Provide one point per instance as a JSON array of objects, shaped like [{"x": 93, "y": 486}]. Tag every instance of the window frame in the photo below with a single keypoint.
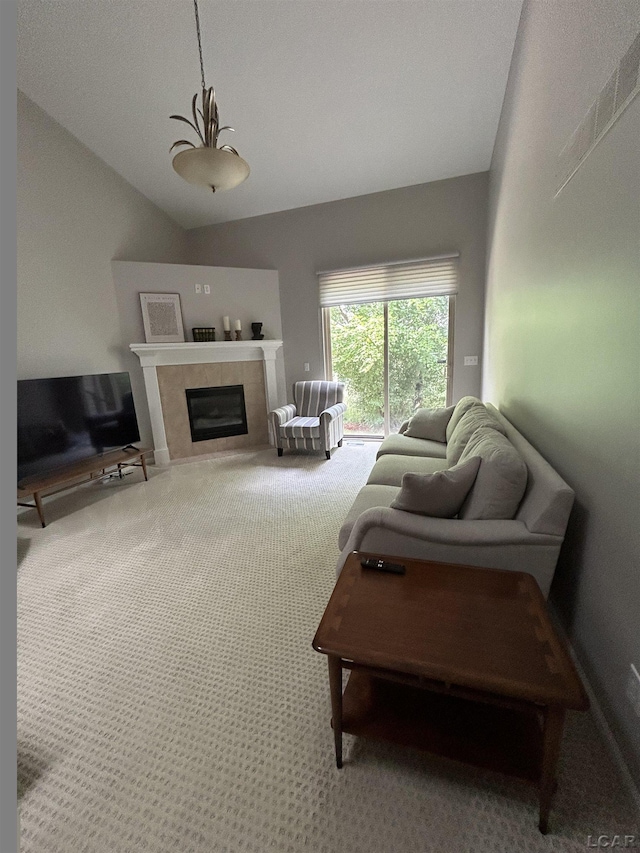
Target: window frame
[{"x": 449, "y": 365}]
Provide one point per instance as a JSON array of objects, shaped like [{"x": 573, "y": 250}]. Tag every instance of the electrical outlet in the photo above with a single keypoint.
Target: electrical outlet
[
  {"x": 198, "y": 288},
  {"x": 207, "y": 289},
  {"x": 470, "y": 360},
  {"x": 306, "y": 367},
  {"x": 633, "y": 689}
]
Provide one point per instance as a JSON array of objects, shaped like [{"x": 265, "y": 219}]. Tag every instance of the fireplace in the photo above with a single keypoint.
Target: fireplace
[
  {"x": 216, "y": 412},
  {"x": 169, "y": 369}
]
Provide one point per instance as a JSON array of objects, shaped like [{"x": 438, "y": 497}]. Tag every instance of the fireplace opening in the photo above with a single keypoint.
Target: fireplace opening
[{"x": 216, "y": 412}]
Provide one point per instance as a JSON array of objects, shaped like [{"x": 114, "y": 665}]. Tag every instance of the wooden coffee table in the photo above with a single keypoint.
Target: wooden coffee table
[{"x": 459, "y": 661}]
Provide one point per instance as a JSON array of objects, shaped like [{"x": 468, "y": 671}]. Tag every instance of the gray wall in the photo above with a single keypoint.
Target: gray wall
[
  {"x": 75, "y": 215},
  {"x": 562, "y": 332},
  {"x": 241, "y": 294},
  {"x": 398, "y": 224}
]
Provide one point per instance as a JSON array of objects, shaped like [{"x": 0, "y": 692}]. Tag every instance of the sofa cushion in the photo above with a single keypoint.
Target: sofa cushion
[
  {"x": 390, "y": 469},
  {"x": 475, "y": 417},
  {"x": 430, "y": 424},
  {"x": 367, "y": 497},
  {"x": 440, "y": 494},
  {"x": 501, "y": 478},
  {"x": 404, "y": 445},
  {"x": 547, "y": 501},
  {"x": 461, "y": 408}
]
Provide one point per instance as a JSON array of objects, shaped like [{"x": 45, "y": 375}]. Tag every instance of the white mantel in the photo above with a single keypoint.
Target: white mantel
[{"x": 155, "y": 355}]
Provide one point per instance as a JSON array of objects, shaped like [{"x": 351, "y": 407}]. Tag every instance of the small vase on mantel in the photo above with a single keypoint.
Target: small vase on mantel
[{"x": 256, "y": 328}]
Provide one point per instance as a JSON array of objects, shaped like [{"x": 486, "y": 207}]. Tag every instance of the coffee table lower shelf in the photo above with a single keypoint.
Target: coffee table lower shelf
[{"x": 505, "y": 740}]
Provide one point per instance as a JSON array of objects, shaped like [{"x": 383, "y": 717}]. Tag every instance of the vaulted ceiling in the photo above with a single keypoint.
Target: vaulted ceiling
[{"x": 329, "y": 98}]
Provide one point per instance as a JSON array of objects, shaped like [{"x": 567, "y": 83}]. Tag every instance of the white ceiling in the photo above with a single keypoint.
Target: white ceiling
[{"x": 330, "y": 98}]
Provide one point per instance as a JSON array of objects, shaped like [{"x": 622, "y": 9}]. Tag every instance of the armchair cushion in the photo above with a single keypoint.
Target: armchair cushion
[{"x": 301, "y": 428}]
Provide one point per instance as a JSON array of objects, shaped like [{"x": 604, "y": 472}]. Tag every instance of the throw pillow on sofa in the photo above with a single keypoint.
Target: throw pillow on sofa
[
  {"x": 476, "y": 417},
  {"x": 430, "y": 424},
  {"x": 439, "y": 495},
  {"x": 501, "y": 479}
]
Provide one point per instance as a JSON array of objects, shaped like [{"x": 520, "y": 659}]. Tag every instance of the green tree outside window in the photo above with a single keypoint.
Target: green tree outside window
[{"x": 418, "y": 343}]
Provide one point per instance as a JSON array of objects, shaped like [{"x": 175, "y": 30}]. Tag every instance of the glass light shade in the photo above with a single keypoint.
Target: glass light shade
[{"x": 211, "y": 167}]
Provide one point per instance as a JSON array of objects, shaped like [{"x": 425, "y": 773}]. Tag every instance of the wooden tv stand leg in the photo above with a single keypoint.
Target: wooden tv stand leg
[{"x": 37, "y": 499}]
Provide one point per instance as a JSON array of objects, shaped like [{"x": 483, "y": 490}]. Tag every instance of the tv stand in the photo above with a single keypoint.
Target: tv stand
[{"x": 78, "y": 473}]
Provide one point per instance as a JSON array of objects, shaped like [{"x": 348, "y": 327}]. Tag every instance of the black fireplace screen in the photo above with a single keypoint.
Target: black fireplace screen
[{"x": 216, "y": 412}]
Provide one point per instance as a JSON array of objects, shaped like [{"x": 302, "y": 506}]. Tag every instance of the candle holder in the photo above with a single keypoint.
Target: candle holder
[
  {"x": 227, "y": 335},
  {"x": 238, "y": 335}
]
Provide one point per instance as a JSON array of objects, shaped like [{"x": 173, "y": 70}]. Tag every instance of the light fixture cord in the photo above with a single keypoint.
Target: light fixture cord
[{"x": 195, "y": 4}]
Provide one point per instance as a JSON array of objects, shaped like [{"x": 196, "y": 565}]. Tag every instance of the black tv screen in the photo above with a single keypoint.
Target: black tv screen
[{"x": 70, "y": 418}]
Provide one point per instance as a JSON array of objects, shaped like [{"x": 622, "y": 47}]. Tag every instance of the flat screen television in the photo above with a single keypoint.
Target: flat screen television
[{"x": 71, "y": 418}]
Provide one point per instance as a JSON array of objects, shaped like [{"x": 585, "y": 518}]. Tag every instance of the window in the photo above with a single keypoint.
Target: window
[{"x": 388, "y": 334}]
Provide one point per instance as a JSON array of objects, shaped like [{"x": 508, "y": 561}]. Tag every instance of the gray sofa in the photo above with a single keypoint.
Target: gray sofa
[{"x": 528, "y": 541}]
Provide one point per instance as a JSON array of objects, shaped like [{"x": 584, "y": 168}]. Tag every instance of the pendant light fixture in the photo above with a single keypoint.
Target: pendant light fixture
[{"x": 207, "y": 165}]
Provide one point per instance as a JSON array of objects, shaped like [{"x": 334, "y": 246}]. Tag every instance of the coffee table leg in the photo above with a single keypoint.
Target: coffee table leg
[
  {"x": 552, "y": 737},
  {"x": 335, "y": 686}
]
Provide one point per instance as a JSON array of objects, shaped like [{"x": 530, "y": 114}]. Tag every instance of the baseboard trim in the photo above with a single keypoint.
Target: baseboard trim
[{"x": 601, "y": 721}]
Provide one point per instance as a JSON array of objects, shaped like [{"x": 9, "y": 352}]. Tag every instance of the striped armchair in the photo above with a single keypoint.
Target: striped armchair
[{"x": 315, "y": 421}]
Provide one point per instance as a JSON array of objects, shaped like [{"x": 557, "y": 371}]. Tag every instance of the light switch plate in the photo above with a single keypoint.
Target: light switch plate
[
  {"x": 470, "y": 360},
  {"x": 198, "y": 288},
  {"x": 207, "y": 288}
]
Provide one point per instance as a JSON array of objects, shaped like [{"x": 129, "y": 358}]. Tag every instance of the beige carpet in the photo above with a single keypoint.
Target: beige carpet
[{"x": 170, "y": 700}]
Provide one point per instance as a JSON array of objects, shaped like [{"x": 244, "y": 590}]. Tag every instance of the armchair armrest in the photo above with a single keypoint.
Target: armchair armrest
[
  {"x": 278, "y": 417},
  {"x": 283, "y": 414},
  {"x": 333, "y": 411}
]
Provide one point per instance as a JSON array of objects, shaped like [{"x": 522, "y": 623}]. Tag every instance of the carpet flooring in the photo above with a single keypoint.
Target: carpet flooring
[{"x": 169, "y": 698}]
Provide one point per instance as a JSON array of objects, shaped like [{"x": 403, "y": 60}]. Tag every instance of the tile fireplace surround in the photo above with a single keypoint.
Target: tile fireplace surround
[{"x": 169, "y": 369}]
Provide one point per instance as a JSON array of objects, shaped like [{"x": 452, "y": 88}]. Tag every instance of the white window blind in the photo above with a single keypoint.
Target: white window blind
[{"x": 435, "y": 276}]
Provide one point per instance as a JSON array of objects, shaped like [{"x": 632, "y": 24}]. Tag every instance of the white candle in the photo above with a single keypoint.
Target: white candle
[
  {"x": 238, "y": 326},
  {"x": 225, "y": 323}
]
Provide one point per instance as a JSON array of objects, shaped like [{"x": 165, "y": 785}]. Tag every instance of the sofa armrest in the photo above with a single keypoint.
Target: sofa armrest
[
  {"x": 493, "y": 544},
  {"x": 447, "y": 530},
  {"x": 333, "y": 411}
]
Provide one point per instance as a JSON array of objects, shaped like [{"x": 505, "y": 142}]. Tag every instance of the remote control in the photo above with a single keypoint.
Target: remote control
[{"x": 383, "y": 566}]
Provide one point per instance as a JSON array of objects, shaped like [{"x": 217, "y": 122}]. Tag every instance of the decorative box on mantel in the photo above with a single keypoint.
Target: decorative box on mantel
[{"x": 168, "y": 407}]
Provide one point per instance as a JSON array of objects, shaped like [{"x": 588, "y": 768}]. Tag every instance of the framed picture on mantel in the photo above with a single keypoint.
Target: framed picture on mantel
[{"x": 162, "y": 318}]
